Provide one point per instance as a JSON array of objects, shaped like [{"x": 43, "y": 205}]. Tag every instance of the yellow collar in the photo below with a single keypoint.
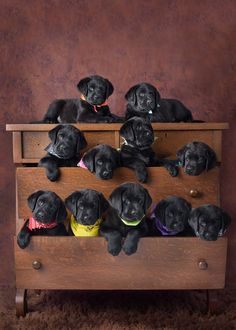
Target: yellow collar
[{"x": 82, "y": 230}]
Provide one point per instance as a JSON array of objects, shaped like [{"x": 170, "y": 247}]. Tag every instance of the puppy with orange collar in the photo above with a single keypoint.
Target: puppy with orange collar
[{"x": 91, "y": 107}]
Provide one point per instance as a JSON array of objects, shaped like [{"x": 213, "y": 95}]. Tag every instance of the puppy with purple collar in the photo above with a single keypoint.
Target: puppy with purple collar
[{"x": 170, "y": 217}]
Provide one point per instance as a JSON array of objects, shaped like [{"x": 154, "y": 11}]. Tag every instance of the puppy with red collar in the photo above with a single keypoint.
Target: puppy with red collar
[
  {"x": 91, "y": 107},
  {"x": 48, "y": 216}
]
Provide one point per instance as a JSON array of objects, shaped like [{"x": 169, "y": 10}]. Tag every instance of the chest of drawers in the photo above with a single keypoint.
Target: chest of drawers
[{"x": 83, "y": 263}]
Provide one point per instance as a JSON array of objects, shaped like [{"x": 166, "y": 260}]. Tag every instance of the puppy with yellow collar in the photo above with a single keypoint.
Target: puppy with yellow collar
[{"x": 86, "y": 207}]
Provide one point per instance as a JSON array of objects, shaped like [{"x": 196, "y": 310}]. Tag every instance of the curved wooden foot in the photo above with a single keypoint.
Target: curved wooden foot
[
  {"x": 21, "y": 302},
  {"x": 214, "y": 305}
]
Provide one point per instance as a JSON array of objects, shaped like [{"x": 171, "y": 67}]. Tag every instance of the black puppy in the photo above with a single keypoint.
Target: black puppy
[
  {"x": 101, "y": 160},
  {"x": 196, "y": 157},
  {"x": 144, "y": 101},
  {"x": 87, "y": 207},
  {"x": 48, "y": 215},
  {"x": 209, "y": 222},
  {"x": 90, "y": 108},
  {"x": 136, "y": 152},
  {"x": 64, "y": 150},
  {"x": 127, "y": 218},
  {"x": 170, "y": 217}
]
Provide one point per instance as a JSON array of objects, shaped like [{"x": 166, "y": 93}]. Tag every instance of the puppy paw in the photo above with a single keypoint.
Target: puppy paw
[
  {"x": 142, "y": 176},
  {"x": 23, "y": 240},
  {"x": 173, "y": 170},
  {"x": 129, "y": 248},
  {"x": 53, "y": 176},
  {"x": 114, "y": 249}
]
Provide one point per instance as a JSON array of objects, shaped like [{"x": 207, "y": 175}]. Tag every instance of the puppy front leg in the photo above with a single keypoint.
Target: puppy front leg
[
  {"x": 114, "y": 240},
  {"x": 23, "y": 238},
  {"x": 170, "y": 165},
  {"x": 138, "y": 166},
  {"x": 131, "y": 242},
  {"x": 51, "y": 166}
]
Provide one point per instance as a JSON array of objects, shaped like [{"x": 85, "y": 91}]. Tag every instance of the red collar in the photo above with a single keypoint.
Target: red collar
[
  {"x": 34, "y": 224},
  {"x": 94, "y": 106}
]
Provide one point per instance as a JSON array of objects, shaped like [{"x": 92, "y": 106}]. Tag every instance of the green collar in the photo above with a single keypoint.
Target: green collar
[{"x": 132, "y": 223}]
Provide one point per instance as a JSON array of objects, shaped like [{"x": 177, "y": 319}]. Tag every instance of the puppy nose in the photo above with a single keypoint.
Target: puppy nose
[
  {"x": 40, "y": 214},
  {"x": 62, "y": 147},
  {"x": 133, "y": 212},
  {"x": 105, "y": 173}
]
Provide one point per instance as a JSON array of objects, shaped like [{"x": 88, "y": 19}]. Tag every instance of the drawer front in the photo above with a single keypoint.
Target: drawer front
[
  {"x": 34, "y": 143},
  {"x": 198, "y": 190},
  {"x": 84, "y": 263}
]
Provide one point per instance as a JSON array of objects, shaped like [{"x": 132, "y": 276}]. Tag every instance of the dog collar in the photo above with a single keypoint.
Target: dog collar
[
  {"x": 163, "y": 229},
  {"x": 132, "y": 223},
  {"x": 94, "y": 106},
  {"x": 34, "y": 224},
  {"x": 82, "y": 230},
  {"x": 81, "y": 164}
]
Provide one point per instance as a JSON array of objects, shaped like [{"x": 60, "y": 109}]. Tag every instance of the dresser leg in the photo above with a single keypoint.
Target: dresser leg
[
  {"x": 21, "y": 302},
  {"x": 213, "y": 302}
]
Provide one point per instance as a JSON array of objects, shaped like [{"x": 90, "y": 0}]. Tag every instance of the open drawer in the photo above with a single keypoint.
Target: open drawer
[
  {"x": 29, "y": 140},
  {"x": 84, "y": 263}
]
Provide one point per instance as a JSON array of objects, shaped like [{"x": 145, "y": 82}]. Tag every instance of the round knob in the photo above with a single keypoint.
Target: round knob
[
  {"x": 36, "y": 264},
  {"x": 202, "y": 264},
  {"x": 194, "y": 193}
]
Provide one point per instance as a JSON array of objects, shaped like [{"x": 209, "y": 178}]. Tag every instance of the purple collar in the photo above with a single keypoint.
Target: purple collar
[{"x": 163, "y": 229}]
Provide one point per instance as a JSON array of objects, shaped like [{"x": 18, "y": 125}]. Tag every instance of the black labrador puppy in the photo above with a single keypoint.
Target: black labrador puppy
[
  {"x": 64, "y": 150},
  {"x": 127, "y": 218},
  {"x": 196, "y": 157},
  {"x": 144, "y": 101},
  {"x": 209, "y": 222},
  {"x": 87, "y": 207},
  {"x": 48, "y": 215},
  {"x": 90, "y": 108},
  {"x": 101, "y": 160},
  {"x": 170, "y": 217},
  {"x": 136, "y": 152}
]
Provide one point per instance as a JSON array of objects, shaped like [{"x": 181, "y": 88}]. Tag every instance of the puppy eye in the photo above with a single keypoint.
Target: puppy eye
[
  {"x": 127, "y": 201},
  {"x": 61, "y": 136},
  {"x": 81, "y": 206},
  {"x": 200, "y": 159},
  {"x": 171, "y": 214},
  {"x": 99, "y": 162},
  {"x": 203, "y": 223},
  {"x": 141, "y": 94},
  {"x": 91, "y": 89},
  {"x": 40, "y": 203}
]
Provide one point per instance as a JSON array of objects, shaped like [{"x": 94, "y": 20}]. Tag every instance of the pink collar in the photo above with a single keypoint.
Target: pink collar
[
  {"x": 34, "y": 224},
  {"x": 81, "y": 164},
  {"x": 94, "y": 106}
]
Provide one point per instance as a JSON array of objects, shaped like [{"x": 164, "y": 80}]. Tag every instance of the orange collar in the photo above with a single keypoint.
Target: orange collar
[
  {"x": 94, "y": 106},
  {"x": 34, "y": 224}
]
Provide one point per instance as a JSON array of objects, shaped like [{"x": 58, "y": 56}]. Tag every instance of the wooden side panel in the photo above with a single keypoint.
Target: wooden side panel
[
  {"x": 160, "y": 184},
  {"x": 84, "y": 263},
  {"x": 17, "y": 147}
]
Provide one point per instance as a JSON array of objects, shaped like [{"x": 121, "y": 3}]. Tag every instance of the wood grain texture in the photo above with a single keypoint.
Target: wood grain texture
[
  {"x": 84, "y": 263},
  {"x": 160, "y": 184},
  {"x": 108, "y": 127}
]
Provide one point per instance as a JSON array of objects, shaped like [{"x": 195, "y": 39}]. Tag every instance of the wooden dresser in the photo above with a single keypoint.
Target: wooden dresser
[{"x": 84, "y": 263}]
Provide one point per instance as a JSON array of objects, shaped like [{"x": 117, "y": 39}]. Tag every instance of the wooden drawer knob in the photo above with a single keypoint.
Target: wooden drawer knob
[
  {"x": 194, "y": 193},
  {"x": 36, "y": 264},
  {"x": 202, "y": 264}
]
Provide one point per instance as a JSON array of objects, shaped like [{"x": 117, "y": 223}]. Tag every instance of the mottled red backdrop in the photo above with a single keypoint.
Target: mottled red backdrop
[{"x": 186, "y": 48}]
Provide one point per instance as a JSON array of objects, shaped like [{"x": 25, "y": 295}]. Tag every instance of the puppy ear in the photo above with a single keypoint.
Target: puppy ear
[
  {"x": 194, "y": 220},
  {"x": 53, "y": 133},
  {"x": 103, "y": 204},
  {"x": 181, "y": 155},
  {"x": 109, "y": 88},
  {"x": 115, "y": 199},
  {"x": 225, "y": 221},
  {"x": 32, "y": 199},
  {"x": 89, "y": 159},
  {"x": 131, "y": 96},
  {"x": 83, "y": 86},
  {"x": 160, "y": 210},
  {"x": 210, "y": 158},
  {"x": 126, "y": 130},
  {"x": 71, "y": 202},
  {"x": 61, "y": 212},
  {"x": 81, "y": 142},
  {"x": 147, "y": 199}
]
